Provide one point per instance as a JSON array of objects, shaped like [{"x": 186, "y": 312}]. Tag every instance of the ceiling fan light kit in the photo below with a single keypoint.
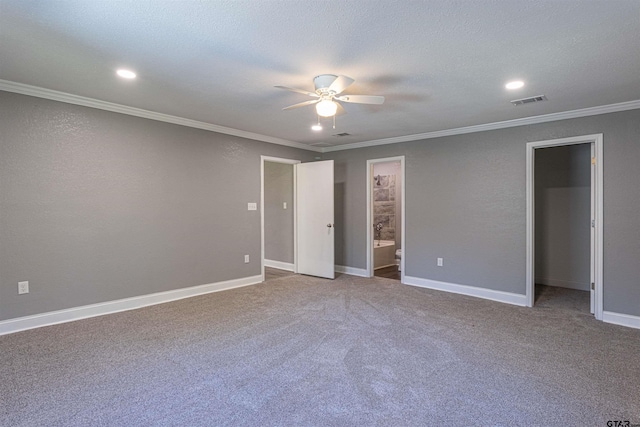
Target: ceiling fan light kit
[
  {"x": 327, "y": 89},
  {"x": 326, "y": 108}
]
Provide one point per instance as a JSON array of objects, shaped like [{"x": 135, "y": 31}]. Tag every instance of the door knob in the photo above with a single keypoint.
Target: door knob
[{"x": 329, "y": 225}]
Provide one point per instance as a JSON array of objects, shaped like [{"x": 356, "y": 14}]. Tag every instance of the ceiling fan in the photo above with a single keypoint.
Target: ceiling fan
[{"x": 328, "y": 90}]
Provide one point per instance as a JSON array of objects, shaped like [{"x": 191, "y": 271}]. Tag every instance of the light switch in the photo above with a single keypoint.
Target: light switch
[
  {"x": 252, "y": 206},
  {"x": 284, "y": 205}
]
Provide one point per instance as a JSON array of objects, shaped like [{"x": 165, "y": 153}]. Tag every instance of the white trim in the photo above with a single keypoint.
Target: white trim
[
  {"x": 563, "y": 115},
  {"x": 295, "y": 207},
  {"x": 473, "y": 291},
  {"x": 100, "y": 309},
  {"x": 597, "y": 140},
  {"x": 369, "y": 250},
  {"x": 351, "y": 271},
  {"x": 621, "y": 319},
  {"x": 68, "y": 98},
  {"x": 279, "y": 265},
  {"x": 569, "y": 284}
]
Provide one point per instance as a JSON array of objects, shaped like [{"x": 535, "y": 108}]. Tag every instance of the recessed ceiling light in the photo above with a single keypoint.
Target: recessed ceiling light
[
  {"x": 517, "y": 84},
  {"x": 126, "y": 74},
  {"x": 316, "y": 127}
]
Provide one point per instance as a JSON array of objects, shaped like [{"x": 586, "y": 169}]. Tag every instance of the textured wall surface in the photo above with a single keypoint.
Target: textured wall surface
[
  {"x": 97, "y": 206},
  {"x": 278, "y": 222},
  {"x": 563, "y": 216},
  {"x": 465, "y": 202}
]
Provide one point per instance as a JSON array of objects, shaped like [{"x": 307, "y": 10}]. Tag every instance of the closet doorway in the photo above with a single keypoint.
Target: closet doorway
[{"x": 564, "y": 219}]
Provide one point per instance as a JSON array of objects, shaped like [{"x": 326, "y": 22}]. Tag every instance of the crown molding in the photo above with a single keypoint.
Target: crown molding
[
  {"x": 24, "y": 89},
  {"x": 584, "y": 112},
  {"x": 68, "y": 98}
]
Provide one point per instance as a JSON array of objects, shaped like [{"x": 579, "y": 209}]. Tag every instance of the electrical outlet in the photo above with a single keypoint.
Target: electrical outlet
[
  {"x": 23, "y": 288},
  {"x": 284, "y": 205},
  {"x": 246, "y": 259},
  {"x": 439, "y": 262}
]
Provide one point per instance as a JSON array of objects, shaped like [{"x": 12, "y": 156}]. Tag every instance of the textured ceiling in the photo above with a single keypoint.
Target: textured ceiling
[{"x": 440, "y": 64}]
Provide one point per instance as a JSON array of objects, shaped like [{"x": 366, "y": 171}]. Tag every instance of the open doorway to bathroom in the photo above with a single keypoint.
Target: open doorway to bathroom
[{"x": 385, "y": 218}]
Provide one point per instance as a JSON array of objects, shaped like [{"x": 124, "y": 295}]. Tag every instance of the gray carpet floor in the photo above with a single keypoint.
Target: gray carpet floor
[{"x": 302, "y": 351}]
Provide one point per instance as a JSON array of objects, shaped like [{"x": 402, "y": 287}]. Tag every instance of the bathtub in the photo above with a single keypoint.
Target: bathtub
[{"x": 385, "y": 254}]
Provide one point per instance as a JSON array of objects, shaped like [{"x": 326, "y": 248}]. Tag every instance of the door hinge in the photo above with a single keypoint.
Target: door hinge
[
  {"x": 593, "y": 160},
  {"x": 593, "y": 286},
  {"x": 593, "y": 223}
]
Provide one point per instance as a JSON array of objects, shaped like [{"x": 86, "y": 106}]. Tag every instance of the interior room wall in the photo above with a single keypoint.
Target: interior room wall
[
  {"x": 278, "y": 221},
  {"x": 391, "y": 169},
  {"x": 466, "y": 202},
  {"x": 97, "y": 206},
  {"x": 563, "y": 216}
]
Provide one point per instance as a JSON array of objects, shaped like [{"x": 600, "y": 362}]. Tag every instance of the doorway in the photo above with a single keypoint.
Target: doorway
[
  {"x": 386, "y": 218},
  {"x": 564, "y": 219},
  {"x": 277, "y": 215},
  {"x": 306, "y": 208}
]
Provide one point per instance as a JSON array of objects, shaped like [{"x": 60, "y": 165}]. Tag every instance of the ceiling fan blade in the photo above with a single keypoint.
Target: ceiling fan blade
[
  {"x": 362, "y": 99},
  {"x": 302, "y": 104},
  {"x": 305, "y": 92},
  {"x": 341, "y": 83}
]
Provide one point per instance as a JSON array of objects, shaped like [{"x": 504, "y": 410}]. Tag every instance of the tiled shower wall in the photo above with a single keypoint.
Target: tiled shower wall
[{"x": 384, "y": 206}]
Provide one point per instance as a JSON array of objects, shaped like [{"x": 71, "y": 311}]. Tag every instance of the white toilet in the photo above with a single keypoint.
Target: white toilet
[{"x": 399, "y": 258}]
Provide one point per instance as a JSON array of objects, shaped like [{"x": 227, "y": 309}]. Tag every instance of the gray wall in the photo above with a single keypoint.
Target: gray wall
[
  {"x": 465, "y": 202},
  {"x": 278, "y": 222},
  {"x": 563, "y": 216},
  {"x": 97, "y": 206}
]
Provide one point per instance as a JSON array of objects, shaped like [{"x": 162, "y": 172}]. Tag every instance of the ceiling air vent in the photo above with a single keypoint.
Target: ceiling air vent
[
  {"x": 342, "y": 134},
  {"x": 531, "y": 100}
]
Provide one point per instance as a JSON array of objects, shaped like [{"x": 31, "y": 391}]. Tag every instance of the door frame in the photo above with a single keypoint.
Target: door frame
[
  {"x": 597, "y": 247},
  {"x": 291, "y": 162},
  {"x": 370, "y": 163}
]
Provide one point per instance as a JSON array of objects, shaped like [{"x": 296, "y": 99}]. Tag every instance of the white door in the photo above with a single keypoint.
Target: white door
[{"x": 314, "y": 199}]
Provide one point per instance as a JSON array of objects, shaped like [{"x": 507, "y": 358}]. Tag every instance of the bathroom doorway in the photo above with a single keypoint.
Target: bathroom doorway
[{"x": 385, "y": 218}]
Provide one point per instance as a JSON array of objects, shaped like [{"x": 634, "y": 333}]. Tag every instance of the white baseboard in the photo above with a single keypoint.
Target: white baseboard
[
  {"x": 621, "y": 319},
  {"x": 76, "y": 313},
  {"x": 563, "y": 283},
  {"x": 351, "y": 270},
  {"x": 279, "y": 264},
  {"x": 500, "y": 296}
]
